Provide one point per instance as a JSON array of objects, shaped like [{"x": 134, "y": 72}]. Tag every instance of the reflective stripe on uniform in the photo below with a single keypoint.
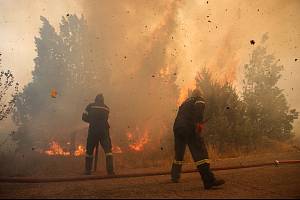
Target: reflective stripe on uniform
[
  {"x": 201, "y": 162},
  {"x": 108, "y": 154},
  {"x": 176, "y": 162},
  {"x": 200, "y": 102},
  {"x": 88, "y": 156},
  {"x": 100, "y": 107}
]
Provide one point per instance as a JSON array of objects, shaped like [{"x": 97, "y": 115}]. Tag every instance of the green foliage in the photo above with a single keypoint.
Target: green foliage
[
  {"x": 224, "y": 112},
  {"x": 65, "y": 65},
  {"x": 262, "y": 112},
  {"x": 267, "y": 107},
  {"x": 60, "y": 66}
]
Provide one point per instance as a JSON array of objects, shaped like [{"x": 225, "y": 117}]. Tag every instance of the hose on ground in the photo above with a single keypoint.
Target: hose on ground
[{"x": 135, "y": 175}]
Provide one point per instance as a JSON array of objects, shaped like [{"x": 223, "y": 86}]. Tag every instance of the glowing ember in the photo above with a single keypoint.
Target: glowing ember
[
  {"x": 129, "y": 136},
  {"x": 53, "y": 93},
  {"x": 164, "y": 72}
]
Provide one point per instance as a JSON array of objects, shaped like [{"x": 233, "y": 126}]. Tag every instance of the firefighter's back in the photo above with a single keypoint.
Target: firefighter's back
[
  {"x": 184, "y": 118},
  {"x": 98, "y": 115}
]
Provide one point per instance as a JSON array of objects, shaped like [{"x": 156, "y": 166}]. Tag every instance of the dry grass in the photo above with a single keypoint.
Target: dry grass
[{"x": 35, "y": 164}]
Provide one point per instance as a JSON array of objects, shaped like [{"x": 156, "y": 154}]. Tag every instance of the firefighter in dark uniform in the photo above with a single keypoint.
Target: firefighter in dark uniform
[
  {"x": 187, "y": 128},
  {"x": 96, "y": 114}
]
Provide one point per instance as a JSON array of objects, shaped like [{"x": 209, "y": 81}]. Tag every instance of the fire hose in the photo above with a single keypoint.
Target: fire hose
[{"x": 135, "y": 175}]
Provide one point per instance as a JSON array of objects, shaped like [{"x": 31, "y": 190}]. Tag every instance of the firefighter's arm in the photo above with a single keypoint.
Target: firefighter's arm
[
  {"x": 108, "y": 121},
  {"x": 199, "y": 111},
  {"x": 85, "y": 115}
]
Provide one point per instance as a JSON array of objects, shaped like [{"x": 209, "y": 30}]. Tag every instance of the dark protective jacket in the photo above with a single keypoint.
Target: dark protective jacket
[
  {"x": 190, "y": 113},
  {"x": 96, "y": 114}
]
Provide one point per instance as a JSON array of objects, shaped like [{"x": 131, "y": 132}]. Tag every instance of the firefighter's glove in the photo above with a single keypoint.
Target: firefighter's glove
[
  {"x": 85, "y": 117},
  {"x": 199, "y": 128}
]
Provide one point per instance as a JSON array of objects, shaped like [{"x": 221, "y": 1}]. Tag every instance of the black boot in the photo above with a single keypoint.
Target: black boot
[
  {"x": 175, "y": 172},
  {"x": 88, "y": 165},
  {"x": 208, "y": 177},
  {"x": 110, "y": 165}
]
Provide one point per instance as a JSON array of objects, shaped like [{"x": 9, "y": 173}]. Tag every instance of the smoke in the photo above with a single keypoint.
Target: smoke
[
  {"x": 150, "y": 51},
  {"x": 139, "y": 39},
  {"x": 135, "y": 40}
]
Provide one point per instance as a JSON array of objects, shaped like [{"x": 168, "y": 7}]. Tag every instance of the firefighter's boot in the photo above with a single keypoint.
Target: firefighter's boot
[
  {"x": 88, "y": 165},
  {"x": 208, "y": 177},
  {"x": 175, "y": 172},
  {"x": 109, "y": 164}
]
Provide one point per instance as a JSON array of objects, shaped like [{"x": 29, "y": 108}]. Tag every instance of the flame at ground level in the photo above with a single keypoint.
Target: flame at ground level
[
  {"x": 138, "y": 145},
  {"x": 80, "y": 151},
  {"x": 56, "y": 150},
  {"x": 137, "y": 140},
  {"x": 117, "y": 149}
]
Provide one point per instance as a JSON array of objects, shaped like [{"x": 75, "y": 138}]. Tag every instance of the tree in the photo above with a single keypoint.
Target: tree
[
  {"x": 63, "y": 78},
  {"x": 34, "y": 106},
  {"x": 224, "y": 112},
  {"x": 8, "y": 91},
  {"x": 267, "y": 109}
]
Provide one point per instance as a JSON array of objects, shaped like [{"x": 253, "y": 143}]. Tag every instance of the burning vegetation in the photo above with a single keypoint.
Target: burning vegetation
[
  {"x": 55, "y": 149},
  {"x": 136, "y": 142},
  {"x": 142, "y": 86}
]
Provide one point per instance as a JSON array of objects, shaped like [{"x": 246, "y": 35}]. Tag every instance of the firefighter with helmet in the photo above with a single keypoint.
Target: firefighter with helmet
[
  {"x": 187, "y": 131},
  {"x": 96, "y": 114}
]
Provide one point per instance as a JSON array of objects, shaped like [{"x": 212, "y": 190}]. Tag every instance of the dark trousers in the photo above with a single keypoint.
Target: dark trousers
[
  {"x": 188, "y": 137},
  {"x": 95, "y": 136}
]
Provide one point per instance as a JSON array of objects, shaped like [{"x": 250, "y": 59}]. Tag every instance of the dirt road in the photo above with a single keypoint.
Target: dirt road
[{"x": 261, "y": 182}]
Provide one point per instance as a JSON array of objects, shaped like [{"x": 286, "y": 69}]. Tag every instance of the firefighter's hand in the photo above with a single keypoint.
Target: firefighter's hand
[
  {"x": 85, "y": 117},
  {"x": 199, "y": 128}
]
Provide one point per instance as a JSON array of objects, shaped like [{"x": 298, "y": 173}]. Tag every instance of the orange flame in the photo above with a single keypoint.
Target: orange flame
[
  {"x": 129, "y": 136},
  {"x": 139, "y": 144},
  {"x": 80, "y": 151},
  {"x": 184, "y": 92},
  {"x": 53, "y": 93},
  {"x": 56, "y": 150},
  {"x": 164, "y": 72},
  {"x": 117, "y": 149}
]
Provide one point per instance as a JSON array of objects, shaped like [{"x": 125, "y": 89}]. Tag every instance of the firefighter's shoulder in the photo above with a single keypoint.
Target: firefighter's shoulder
[
  {"x": 92, "y": 106},
  {"x": 100, "y": 107},
  {"x": 88, "y": 107},
  {"x": 106, "y": 107},
  {"x": 199, "y": 100}
]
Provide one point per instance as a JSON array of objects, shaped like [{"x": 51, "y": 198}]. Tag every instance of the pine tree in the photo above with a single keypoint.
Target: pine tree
[
  {"x": 224, "y": 112},
  {"x": 267, "y": 109},
  {"x": 63, "y": 78}
]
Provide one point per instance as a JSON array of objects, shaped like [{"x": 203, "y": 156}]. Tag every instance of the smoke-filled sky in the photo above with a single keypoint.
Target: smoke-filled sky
[{"x": 214, "y": 33}]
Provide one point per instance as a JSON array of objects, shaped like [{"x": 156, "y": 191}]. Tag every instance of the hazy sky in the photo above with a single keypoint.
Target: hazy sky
[{"x": 224, "y": 41}]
